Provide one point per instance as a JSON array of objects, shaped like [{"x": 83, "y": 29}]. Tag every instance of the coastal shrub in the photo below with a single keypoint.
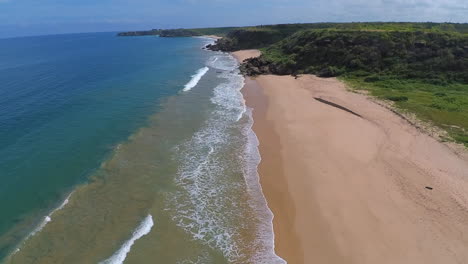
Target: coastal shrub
[
  {"x": 422, "y": 67},
  {"x": 436, "y": 57},
  {"x": 359, "y": 73},
  {"x": 422, "y": 70},
  {"x": 437, "y": 81},
  {"x": 372, "y": 78},
  {"x": 330, "y": 71},
  {"x": 397, "y": 98},
  {"x": 311, "y": 70},
  {"x": 440, "y": 94}
]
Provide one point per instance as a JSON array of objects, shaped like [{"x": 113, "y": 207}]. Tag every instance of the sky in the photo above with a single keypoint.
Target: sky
[{"x": 40, "y": 17}]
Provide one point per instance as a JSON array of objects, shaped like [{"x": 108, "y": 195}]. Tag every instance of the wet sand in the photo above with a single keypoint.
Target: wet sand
[{"x": 349, "y": 181}]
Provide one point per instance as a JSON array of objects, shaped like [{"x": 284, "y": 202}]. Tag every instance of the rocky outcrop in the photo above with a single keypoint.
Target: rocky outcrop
[
  {"x": 226, "y": 44},
  {"x": 259, "y": 65}
]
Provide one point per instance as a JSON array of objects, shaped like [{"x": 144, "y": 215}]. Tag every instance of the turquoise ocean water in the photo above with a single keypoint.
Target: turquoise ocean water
[{"x": 135, "y": 150}]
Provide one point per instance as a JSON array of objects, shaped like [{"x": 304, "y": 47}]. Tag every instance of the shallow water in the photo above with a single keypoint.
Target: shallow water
[{"x": 182, "y": 188}]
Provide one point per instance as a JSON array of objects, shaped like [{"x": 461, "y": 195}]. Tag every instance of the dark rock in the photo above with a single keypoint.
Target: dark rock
[
  {"x": 325, "y": 73},
  {"x": 255, "y": 66}
]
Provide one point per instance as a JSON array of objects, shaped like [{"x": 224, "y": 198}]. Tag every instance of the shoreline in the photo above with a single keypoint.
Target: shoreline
[
  {"x": 277, "y": 200},
  {"x": 211, "y": 37},
  {"x": 286, "y": 243},
  {"x": 344, "y": 188}
]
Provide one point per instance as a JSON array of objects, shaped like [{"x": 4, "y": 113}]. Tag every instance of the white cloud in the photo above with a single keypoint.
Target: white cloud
[{"x": 382, "y": 10}]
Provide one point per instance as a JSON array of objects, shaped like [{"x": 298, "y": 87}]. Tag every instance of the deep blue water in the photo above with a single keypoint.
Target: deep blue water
[{"x": 67, "y": 100}]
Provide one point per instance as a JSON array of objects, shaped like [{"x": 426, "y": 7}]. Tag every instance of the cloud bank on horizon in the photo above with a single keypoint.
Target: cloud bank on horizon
[{"x": 31, "y": 17}]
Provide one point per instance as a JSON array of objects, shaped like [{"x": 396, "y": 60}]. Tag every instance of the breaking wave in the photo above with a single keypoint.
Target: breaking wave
[
  {"x": 212, "y": 204},
  {"x": 143, "y": 229},
  {"x": 195, "y": 79}
]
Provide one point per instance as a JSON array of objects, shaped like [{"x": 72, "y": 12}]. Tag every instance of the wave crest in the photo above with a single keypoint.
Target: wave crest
[
  {"x": 143, "y": 229},
  {"x": 195, "y": 79}
]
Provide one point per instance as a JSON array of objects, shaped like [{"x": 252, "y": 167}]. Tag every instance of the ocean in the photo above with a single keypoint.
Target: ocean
[{"x": 127, "y": 150}]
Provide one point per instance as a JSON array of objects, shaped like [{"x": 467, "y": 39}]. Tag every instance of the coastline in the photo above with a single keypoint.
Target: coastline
[
  {"x": 274, "y": 188},
  {"x": 286, "y": 243},
  {"x": 119, "y": 201},
  {"x": 354, "y": 188},
  {"x": 211, "y": 37}
]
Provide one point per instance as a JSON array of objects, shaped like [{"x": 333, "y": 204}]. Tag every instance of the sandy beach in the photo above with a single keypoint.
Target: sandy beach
[
  {"x": 211, "y": 36},
  {"x": 349, "y": 181}
]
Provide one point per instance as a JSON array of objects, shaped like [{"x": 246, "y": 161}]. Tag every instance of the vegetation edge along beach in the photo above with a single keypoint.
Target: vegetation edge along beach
[
  {"x": 419, "y": 68},
  {"x": 342, "y": 172}
]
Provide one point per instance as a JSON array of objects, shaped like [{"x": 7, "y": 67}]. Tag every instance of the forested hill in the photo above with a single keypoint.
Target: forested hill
[
  {"x": 411, "y": 54},
  {"x": 283, "y": 30},
  {"x": 421, "y": 67},
  {"x": 422, "y": 70}
]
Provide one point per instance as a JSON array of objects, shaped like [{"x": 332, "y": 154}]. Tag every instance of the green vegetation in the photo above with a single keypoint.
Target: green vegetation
[
  {"x": 181, "y": 32},
  {"x": 421, "y": 67},
  {"x": 281, "y": 31},
  {"x": 424, "y": 72},
  {"x": 436, "y": 57},
  {"x": 445, "y": 106},
  {"x": 265, "y": 35},
  {"x": 403, "y": 26},
  {"x": 197, "y": 32}
]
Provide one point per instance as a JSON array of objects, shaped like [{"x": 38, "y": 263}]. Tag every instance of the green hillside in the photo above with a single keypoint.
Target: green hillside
[
  {"x": 421, "y": 67},
  {"x": 181, "y": 32},
  {"x": 423, "y": 72}
]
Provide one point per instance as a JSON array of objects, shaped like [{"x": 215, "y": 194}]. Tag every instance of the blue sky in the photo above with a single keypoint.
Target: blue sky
[{"x": 37, "y": 17}]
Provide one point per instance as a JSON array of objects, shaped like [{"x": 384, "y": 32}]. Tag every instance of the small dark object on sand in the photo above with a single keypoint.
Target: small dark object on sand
[
  {"x": 429, "y": 188},
  {"x": 337, "y": 106}
]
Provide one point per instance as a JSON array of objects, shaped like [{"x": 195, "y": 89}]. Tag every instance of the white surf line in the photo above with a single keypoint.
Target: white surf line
[
  {"x": 48, "y": 218},
  {"x": 195, "y": 79},
  {"x": 143, "y": 229},
  {"x": 266, "y": 232},
  {"x": 43, "y": 223}
]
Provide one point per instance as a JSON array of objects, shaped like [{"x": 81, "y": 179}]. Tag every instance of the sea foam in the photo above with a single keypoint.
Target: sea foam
[
  {"x": 143, "y": 229},
  {"x": 265, "y": 234},
  {"x": 209, "y": 203},
  {"x": 200, "y": 208},
  {"x": 195, "y": 79}
]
